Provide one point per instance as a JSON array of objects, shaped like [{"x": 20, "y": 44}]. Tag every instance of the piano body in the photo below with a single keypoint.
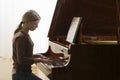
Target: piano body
[{"x": 95, "y": 54}]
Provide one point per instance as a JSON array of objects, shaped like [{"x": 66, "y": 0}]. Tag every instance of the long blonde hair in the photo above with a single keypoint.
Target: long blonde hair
[{"x": 30, "y": 15}]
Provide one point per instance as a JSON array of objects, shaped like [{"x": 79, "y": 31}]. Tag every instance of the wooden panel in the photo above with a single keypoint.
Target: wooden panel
[
  {"x": 99, "y": 17},
  {"x": 91, "y": 62}
]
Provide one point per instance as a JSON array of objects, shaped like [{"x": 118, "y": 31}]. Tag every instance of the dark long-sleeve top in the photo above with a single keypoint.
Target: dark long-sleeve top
[{"x": 22, "y": 51}]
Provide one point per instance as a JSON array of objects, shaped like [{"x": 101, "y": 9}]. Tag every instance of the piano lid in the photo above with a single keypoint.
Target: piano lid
[{"x": 100, "y": 17}]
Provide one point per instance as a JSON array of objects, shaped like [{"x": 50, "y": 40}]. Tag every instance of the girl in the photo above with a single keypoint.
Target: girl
[{"x": 23, "y": 56}]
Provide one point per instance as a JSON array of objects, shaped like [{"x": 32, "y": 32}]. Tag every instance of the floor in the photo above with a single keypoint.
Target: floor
[{"x": 6, "y": 70}]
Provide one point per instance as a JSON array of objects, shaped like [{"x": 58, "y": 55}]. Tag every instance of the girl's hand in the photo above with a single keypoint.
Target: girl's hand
[
  {"x": 47, "y": 61},
  {"x": 43, "y": 60}
]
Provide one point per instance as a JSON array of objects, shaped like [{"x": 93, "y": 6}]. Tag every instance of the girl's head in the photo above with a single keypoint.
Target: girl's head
[
  {"x": 30, "y": 15},
  {"x": 30, "y": 20}
]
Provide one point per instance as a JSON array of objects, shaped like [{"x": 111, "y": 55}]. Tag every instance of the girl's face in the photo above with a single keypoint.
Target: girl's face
[{"x": 33, "y": 25}]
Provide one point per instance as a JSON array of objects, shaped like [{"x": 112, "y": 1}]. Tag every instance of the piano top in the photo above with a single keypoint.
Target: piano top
[{"x": 100, "y": 17}]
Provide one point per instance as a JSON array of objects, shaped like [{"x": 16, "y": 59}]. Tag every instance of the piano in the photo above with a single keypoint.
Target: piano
[{"x": 95, "y": 51}]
